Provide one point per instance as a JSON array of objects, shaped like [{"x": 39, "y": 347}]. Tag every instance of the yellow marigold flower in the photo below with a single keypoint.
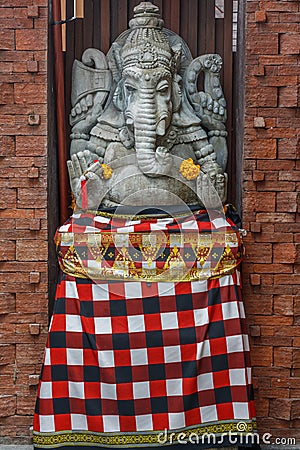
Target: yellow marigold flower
[
  {"x": 107, "y": 171},
  {"x": 189, "y": 169}
]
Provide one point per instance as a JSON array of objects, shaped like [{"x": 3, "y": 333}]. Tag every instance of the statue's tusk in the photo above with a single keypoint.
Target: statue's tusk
[{"x": 161, "y": 128}]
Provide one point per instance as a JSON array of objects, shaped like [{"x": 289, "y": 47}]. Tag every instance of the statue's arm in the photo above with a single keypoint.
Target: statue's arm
[
  {"x": 210, "y": 104},
  {"x": 91, "y": 83}
]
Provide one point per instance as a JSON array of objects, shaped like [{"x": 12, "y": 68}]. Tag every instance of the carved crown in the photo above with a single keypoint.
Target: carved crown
[{"x": 147, "y": 46}]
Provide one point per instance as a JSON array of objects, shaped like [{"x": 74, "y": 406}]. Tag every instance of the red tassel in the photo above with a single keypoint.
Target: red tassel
[{"x": 84, "y": 195}]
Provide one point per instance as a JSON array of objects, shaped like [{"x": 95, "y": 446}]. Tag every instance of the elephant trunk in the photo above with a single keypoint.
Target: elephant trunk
[{"x": 152, "y": 161}]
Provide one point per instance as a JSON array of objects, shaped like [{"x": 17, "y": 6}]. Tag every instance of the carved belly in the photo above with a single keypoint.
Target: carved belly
[{"x": 129, "y": 186}]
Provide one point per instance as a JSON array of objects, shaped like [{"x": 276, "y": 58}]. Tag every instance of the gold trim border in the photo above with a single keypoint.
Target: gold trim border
[{"x": 143, "y": 439}]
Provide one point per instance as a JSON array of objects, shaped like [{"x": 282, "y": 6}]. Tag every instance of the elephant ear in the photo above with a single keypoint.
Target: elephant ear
[{"x": 115, "y": 62}]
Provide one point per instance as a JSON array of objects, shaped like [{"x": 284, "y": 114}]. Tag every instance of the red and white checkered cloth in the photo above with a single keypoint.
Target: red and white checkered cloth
[
  {"x": 190, "y": 247},
  {"x": 131, "y": 359}
]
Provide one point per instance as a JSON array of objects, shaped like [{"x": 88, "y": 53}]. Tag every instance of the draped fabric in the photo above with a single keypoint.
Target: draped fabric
[
  {"x": 184, "y": 248},
  {"x": 136, "y": 362}
]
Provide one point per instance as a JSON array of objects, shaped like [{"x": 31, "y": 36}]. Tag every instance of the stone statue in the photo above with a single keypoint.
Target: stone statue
[{"x": 142, "y": 134}]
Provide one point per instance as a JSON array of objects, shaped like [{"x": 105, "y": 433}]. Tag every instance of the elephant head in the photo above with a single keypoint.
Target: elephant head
[
  {"x": 153, "y": 104},
  {"x": 148, "y": 90}
]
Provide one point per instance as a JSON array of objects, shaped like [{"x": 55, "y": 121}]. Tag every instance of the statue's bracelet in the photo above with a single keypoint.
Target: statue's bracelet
[
  {"x": 222, "y": 133},
  {"x": 79, "y": 136}
]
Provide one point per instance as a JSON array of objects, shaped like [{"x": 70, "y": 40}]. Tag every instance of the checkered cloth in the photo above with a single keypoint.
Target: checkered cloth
[
  {"x": 125, "y": 360},
  {"x": 186, "y": 248}
]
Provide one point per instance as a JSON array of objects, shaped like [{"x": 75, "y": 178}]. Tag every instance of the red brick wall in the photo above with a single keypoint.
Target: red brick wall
[
  {"x": 270, "y": 206},
  {"x": 271, "y": 182},
  {"x": 23, "y": 210}
]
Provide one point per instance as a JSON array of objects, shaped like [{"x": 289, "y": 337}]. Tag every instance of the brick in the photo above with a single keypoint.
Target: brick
[
  {"x": 7, "y": 405},
  {"x": 260, "y": 16},
  {"x": 35, "y": 277},
  {"x": 262, "y": 356},
  {"x": 31, "y": 250},
  {"x": 287, "y": 148},
  {"x": 297, "y": 342},
  {"x": 35, "y": 224},
  {"x": 6, "y": 93},
  {"x": 281, "y": 408},
  {"x": 290, "y": 17},
  {"x": 31, "y": 302},
  {"x": 34, "y": 119},
  {"x": 288, "y": 96},
  {"x": 259, "y": 122},
  {"x": 287, "y": 279},
  {"x": 283, "y": 357},
  {"x": 7, "y": 354},
  {"x": 296, "y": 358},
  {"x": 279, "y": 81},
  {"x": 277, "y": 186},
  {"x": 32, "y": 66},
  {"x": 297, "y": 260},
  {"x": 33, "y": 145},
  {"x": 272, "y": 268},
  {"x": 262, "y": 304},
  {"x": 289, "y": 44},
  {"x": 259, "y": 70},
  {"x": 255, "y": 330},
  {"x": 29, "y": 93},
  {"x": 295, "y": 408},
  {"x": 281, "y": 6},
  {"x": 7, "y": 250},
  {"x": 263, "y": 43},
  {"x": 274, "y": 393},
  {"x": 259, "y": 253},
  {"x": 33, "y": 11},
  {"x": 291, "y": 175},
  {"x": 255, "y": 279},
  {"x": 34, "y": 39},
  {"x": 284, "y": 253},
  {"x": 34, "y": 329},
  {"x": 7, "y": 303},
  {"x": 258, "y": 175},
  {"x": 7, "y": 146},
  {"x": 33, "y": 380},
  {"x": 284, "y": 305},
  {"x": 8, "y": 198},
  {"x": 264, "y": 149},
  {"x": 255, "y": 227},
  {"x": 27, "y": 198},
  {"x": 273, "y": 236},
  {"x": 265, "y": 201},
  {"x": 7, "y": 39},
  {"x": 263, "y": 97},
  {"x": 33, "y": 172},
  {"x": 286, "y": 202}
]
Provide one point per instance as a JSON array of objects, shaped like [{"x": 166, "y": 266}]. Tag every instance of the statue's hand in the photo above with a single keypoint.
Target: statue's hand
[
  {"x": 85, "y": 113},
  {"x": 211, "y": 189},
  {"x": 212, "y": 111},
  {"x": 86, "y": 175}
]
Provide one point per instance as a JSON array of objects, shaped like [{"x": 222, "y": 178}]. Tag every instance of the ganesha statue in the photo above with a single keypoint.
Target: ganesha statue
[
  {"x": 142, "y": 133},
  {"x": 147, "y": 344}
]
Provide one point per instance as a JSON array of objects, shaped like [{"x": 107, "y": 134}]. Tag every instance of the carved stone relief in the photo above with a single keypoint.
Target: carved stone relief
[{"x": 142, "y": 134}]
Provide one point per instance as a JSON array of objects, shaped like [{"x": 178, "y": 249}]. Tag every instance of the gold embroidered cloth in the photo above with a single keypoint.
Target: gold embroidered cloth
[{"x": 194, "y": 247}]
